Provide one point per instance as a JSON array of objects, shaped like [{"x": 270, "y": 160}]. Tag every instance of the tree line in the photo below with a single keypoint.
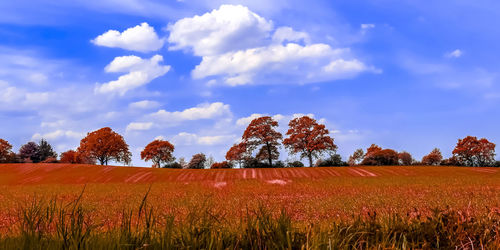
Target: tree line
[{"x": 258, "y": 148}]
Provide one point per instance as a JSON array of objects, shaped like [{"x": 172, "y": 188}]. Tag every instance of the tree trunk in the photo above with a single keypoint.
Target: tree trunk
[
  {"x": 270, "y": 157},
  {"x": 310, "y": 159}
]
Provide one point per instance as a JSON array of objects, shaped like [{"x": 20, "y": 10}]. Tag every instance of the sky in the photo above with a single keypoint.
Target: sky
[{"x": 403, "y": 74}]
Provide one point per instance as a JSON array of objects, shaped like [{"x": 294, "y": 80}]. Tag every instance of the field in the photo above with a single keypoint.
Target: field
[{"x": 317, "y": 199}]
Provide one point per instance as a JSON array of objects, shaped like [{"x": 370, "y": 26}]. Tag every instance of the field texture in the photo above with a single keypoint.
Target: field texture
[{"x": 309, "y": 196}]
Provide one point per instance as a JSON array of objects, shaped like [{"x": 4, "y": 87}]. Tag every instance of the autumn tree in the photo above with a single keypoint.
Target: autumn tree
[
  {"x": 405, "y": 158},
  {"x": 197, "y": 162},
  {"x": 261, "y": 132},
  {"x": 356, "y": 157},
  {"x": 377, "y": 156},
  {"x": 433, "y": 158},
  {"x": 29, "y": 152},
  {"x": 158, "y": 151},
  {"x": 473, "y": 152},
  {"x": 6, "y": 153},
  {"x": 307, "y": 137},
  {"x": 237, "y": 153},
  {"x": 105, "y": 145},
  {"x": 70, "y": 156}
]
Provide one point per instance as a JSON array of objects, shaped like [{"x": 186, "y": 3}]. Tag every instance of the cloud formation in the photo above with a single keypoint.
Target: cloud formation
[
  {"x": 141, "y": 38},
  {"x": 184, "y": 138},
  {"x": 139, "y": 72},
  {"x": 202, "y": 111},
  {"x": 239, "y": 47}
]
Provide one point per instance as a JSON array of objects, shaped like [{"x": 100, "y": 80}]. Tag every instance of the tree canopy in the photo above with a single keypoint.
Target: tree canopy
[
  {"x": 307, "y": 137},
  {"x": 158, "y": 151},
  {"x": 105, "y": 145}
]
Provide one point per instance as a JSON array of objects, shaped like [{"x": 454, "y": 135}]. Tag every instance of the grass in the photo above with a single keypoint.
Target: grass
[
  {"x": 51, "y": 207},
  {"x": 52, "y": 225}
]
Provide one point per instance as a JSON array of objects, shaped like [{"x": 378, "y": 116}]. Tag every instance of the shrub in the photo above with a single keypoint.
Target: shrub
[
  {"x": 334, "y": 160},
  {"x": 224, "y": 164},
  {"x": 50, "y": 160},
  {"x": 172, "y": 165},
  {"x": 295, "y": 164},
  {"x": 382, "y": 157}
]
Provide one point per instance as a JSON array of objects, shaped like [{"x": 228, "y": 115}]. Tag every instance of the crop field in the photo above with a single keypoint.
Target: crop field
[{"x": 308, "y": 196}]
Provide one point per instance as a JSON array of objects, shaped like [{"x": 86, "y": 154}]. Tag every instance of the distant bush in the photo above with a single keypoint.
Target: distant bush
[
  {"x": 197, "y": 162},
  {"x": 497, "y": 164},
  {"x": 254, "y": 163},
  {"x": 334, "y": 160},
  {"x": 172, "y": 165},
  {"x": 219, "y": 165},
  {"x": 295, "y": 164},
  {"x": 50, "y": 160},
  {"x": 384, "y": 157}
]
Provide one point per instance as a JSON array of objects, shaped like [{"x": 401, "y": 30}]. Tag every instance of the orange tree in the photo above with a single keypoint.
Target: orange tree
[
  {"x": 5, "y": 151},
  {"x": 307, "y": 137},
  {"x": 158, "y": 151},
  {"x": 261, "y": 132},
  {"x": 238, "y": 153},
  {"x": 377, "y": 156},
  {"x": 405, "y": 158},
  {"x": 473, "y": 152},
  {"x": 433, "y": 158},
  {"x": 105, "y": 145}
]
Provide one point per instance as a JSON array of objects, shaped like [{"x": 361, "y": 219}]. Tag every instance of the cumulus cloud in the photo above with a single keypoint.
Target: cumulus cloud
[
  {"x": 139, "y": 126},
  {"x": 202, "y": 111},
  {"x": 239, "y": 47},
  {"x": 142, "y": 38},
  {"x": 229, "y": 28},
  {"x": 184, "y": 138},
  {"x": 139, "y": 72},
  {"x": 284, "y": 34},
  {"x": 454, "y": 54}
]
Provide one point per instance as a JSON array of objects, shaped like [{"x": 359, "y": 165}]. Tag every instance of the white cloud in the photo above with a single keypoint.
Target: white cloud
[
  {"x": 142, "y": 38},
  {"x": 454, "y": 54},
  {"x": 58, "y": 134},
  {"x": 240, "y": 47},
  {"x": 202, "y": 111},
  {"x": 284, "y": 34},
  {"x": 231, "y": 27},
  {"x": 244, "y": 121},
  {"x": 145, "y": 104},
  {"x": 184, "y": 138},
  {"x": 140, "y": 72},
  {"x": 366, "y": 26},
  {"x": 139, "y": 126}
]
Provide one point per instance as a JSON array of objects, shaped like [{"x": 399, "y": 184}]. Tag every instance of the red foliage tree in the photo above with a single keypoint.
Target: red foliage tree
[
  {"x": 158, "y": 151},
  {"x": 377, "y": 156},
  {"x": 6, "y": 153},
  {"x": 105, "y": 145},
  {"x": 73, "y": 157},
  {"x": 238, "y": 153},
  {"x": 261, "y": 131},
  {"x": 473, "y": 152},
  {"x": 307, "y": 137},
  {"x": 220, "y": 165},
  {"x": 70, "y": 156},
  {"x": 433, "y": 158},
  {"x": 405, "y": 158}
]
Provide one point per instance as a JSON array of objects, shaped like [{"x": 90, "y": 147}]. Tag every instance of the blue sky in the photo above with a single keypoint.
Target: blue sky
[{"x": 407, "y": 75}]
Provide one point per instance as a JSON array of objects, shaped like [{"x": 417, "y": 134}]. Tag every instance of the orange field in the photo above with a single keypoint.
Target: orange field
[{"x": 312, "y": 195}]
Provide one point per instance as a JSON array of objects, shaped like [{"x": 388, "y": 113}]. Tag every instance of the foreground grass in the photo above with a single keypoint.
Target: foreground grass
[{"x": 48, "y": 224}]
